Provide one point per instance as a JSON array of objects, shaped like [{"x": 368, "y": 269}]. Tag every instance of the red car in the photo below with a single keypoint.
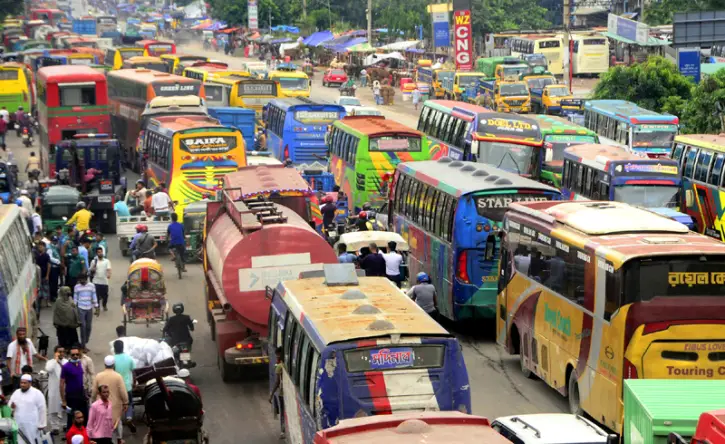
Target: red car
[{"x": 334, "y": 76}]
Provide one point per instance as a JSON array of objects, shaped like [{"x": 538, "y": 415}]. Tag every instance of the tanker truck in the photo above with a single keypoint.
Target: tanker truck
[{"x": 251, "y": 245}]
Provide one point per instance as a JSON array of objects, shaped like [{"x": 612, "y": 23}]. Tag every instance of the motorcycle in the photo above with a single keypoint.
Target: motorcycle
[
  {"x": 182, "y": 355},
  {"x": 27, "y": 137}
]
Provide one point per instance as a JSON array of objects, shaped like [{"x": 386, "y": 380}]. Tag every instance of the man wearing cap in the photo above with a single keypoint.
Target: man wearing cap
[
  {"x": 29, "y": 409},
  {"x": 79, "y": 439},
  {"x": 117, "y": 393},
  {"x": 21, "y": 353}
]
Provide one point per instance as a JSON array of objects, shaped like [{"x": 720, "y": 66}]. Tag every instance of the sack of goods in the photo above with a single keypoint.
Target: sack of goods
[
  {"x": 145, "y": 352},
  {"x": 387, "y": 92}
]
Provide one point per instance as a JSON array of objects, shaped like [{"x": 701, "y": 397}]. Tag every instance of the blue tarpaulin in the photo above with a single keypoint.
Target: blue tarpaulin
[
  {"x": 318, "y": 38},
  {"x": 341, "y": 47},
  {"x": 285, "y": 28},
  {"x": 284, "y": 40}
]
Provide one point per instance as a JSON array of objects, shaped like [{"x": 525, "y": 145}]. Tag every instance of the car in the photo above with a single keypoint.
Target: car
[
  {"x": 349, "y": 103},
  {"x": 364, "y": 111},
  {"x": 551, "y": 428},
  {"x": 334, "y": 76}
]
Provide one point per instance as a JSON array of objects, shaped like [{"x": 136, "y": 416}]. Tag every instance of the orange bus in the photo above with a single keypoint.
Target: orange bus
[
  {"x": 155, "y": 48},
  {"x": 129, "y": 90}
]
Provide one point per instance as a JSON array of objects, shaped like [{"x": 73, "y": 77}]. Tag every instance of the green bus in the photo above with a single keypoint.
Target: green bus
[
  {"x": 364, "y": 152},
  {"x": 559, "y": 134}
]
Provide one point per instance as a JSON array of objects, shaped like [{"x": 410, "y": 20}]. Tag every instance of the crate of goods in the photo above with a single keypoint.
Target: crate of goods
[
  {"x": 653, "y": 408},
  {"x": 424, "y": 88}
]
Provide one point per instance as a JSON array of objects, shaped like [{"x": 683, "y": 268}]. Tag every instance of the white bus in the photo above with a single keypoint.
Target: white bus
[
  {"x": 18, "y": 275},
  {"x": 551, "y": 47},
  {"x": 591, "y": 55}
]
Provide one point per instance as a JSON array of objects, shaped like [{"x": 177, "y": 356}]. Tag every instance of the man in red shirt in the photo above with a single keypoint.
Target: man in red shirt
[{"x": 77, "y": 429}]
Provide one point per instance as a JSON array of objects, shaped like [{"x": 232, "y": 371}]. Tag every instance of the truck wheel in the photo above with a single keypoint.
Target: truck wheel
[{"x": 226, "y": 370}]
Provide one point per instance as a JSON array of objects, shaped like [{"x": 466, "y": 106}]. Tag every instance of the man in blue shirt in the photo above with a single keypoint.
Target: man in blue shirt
[
  {"x": 121, "y": 208},
  {"x": 177, "y": 238},
  {"x": 83, "y": 249},
  {"x": 343, "y": 256}
]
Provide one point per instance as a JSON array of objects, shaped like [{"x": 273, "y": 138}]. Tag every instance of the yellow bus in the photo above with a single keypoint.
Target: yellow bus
[
  {"x": 191, "y": 154},
  {"x": 16, "y": 87},
  {"x": 292, "y": 83},
  {"x": 592, "y": 293},
  {"x": 152, "y": 63},
  {"x": 176, "y": 61},
  {"x": 116, "y": 56},
  {"x": 591, "y": 54},
  {"x": 210, "y": 71},
  {"x": 551, "y": 47}
]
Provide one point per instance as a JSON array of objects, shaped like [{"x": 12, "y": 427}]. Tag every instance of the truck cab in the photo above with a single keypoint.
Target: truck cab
[
  {"x": 506, "y": 97},
  {"x": 548, "y": 100},
  {"x": 510, "y": 72}
]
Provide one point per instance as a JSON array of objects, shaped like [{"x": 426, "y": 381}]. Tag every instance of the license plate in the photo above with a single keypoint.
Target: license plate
[
  {"x": 185, "y": 356},
  {"x": 332, "y": 233},
  {"x": 105, "y": 199},
  {"x": 25, "y": 136}
]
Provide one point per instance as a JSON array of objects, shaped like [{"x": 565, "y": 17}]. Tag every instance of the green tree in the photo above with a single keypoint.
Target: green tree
[
  {"x": 661, "y": 12},
  {"x": 507, "y": 15},
  {"x": 654, "y": 84},
  {"x": 10, "y": 7},
  {"x": 701, "y": 113}
]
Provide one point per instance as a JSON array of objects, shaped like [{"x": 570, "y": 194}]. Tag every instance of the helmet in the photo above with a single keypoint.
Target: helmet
[
  {"x": 20, "y": 108},
  {"x": 139, "y": 228},
  {"x": 178, "y": 308},
  {"x": 362, "y": 215},
  {"x": 144, "y": 228},
  {"x": 422, "y": 277},
  {"x": 327, "y": 199},
  {"x": 367, "y": 206},
  {"x": 80, "y": 205}
]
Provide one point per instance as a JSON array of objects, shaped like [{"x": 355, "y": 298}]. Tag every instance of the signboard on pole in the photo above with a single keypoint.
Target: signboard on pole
[
  {"x": 252, "y": 15},
  {"x": 463, "y": 42},
  {"x": 441, "y": 29},
  {"x": 688, "y": 62},
  {"x": 629, "y": 29}
]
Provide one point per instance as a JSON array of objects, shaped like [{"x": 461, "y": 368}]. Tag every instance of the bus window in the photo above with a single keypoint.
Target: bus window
[
  {"x": 690, "y": 162},
  {"x": 716, "y": 171},
  {"x": 702, "y": 166},
  {"x": 77, "y": 94}
]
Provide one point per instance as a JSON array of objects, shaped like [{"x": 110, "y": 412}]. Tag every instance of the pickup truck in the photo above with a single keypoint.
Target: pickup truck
[
  {"x": 126, "y": 226},
  {"x": 547, "y": 100},
  {"x": 455, "y": 87},
  {"x": 505, "y": 97}
]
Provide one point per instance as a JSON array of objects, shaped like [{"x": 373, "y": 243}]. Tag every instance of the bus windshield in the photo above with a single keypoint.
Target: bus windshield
[
  {"x": 559, "y": 91},
  {"x": 514, "y": 89},
  {"x": 466, "y": 81},
  {"x": 127, "y": 54},
  {"x": 514, "y": 71},
  {"x": 540, "y": 82},
  {"x": 293, "y": 83},
  {"x": 648, "y": 196},
  {"x": 646, "y": 279},
  {"x": 394, "y": 358},
  {"x": 663, "y": 136},
  {"x": 507, "y": 156},
  {"x": 395, "y": 144},
  {"x": 556, "y": 144}
]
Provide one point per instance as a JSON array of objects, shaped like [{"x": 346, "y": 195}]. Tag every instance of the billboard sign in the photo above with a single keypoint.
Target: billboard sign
[
  {"x": 441, "y": 34},
  {"x": 252, "y": 11},
  {"x": 698, "y": 28},
  {"x": 628, "y": 29},
  {"x": 463, "y": 41},
  {"x": 688, "y": 62}
]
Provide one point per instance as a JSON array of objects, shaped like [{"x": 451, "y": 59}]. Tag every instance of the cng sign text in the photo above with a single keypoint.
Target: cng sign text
[{"x": 463, "y": 41}]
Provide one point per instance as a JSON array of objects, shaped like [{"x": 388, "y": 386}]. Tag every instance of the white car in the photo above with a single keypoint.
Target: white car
[
  {"x": 365, "y": 111},
  {"x": 551, "y": 428},
  {"x": 348, "y": 102}
]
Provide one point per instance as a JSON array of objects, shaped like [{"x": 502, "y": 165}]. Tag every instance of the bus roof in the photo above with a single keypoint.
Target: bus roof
[
  {"x": 150, "y": 42},
  {"x": 301, "y": 101},
  {"x": 175, "y": 124},
  {"x": 294, "y": 74},
  {"x": 141, "y": 59},
  {"x": 616, "y": 230},
  {"x": 376, "y": 126},
  {"x": 163, "y": 102},
  {"x": 442, "y": 427},
  {"x": 460, "y": 109},
  {"x": 374, "y": 307},
  {"x": 69, "y": 73},
  {"x": 715, "y": 142},
  {"x": 129, "y": 49},
  {"x": 601, "y": 157},
  {"x": 560, "y": 125},
  {"x": 261, "y": 179},
  {"x": 629, "y": 111},
  {"x": 458, "y": 177},
  {"x": 146, "y": 76}
]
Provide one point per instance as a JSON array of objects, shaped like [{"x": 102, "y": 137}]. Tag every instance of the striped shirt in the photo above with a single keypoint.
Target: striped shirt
[{"x": 84, "y": 296}]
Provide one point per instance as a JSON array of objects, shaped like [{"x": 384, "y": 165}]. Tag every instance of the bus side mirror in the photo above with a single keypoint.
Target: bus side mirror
[{"x": 689, "y": 198}]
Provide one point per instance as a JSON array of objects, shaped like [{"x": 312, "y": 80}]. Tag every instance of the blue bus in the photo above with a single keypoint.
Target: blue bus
[
  {"x": 390, "y": 355},
  {"x": 605, "y": 172},
  {"x": 625, "y": 124},
  {"x": 297, "y": 128},
  {"x": 450, "y": 213},
  {"x": 449, "y": 126}
]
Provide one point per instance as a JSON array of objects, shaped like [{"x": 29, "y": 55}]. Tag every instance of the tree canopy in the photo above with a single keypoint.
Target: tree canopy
[
  {"x": 10, "y": 7},
  {"x": 701, "y": 113}
]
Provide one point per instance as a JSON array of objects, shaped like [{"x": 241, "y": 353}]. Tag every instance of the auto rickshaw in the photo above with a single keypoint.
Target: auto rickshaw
[
  {"x": 57, "y": 202},
  {"x": 144, "y": 294},
  {"x": 194, "y": 215}
]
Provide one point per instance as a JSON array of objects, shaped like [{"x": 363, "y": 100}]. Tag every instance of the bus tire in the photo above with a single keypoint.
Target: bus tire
[
  {"x": 522, "y": 360},
  {"x": 575, "y": 407}
]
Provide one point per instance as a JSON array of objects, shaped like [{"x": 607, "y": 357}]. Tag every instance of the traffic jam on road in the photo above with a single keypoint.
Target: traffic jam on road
[{"x": 396, "y": 248}]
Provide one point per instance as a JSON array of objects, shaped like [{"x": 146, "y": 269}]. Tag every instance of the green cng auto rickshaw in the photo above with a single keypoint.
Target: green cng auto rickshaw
[
  {"x": 194, "y": 215},
  {"x": 57, "y": 202}
]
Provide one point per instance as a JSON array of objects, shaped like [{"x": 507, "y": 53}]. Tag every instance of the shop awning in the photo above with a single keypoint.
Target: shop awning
[
  {"x": 361, "y": 47},
  {"x": 652, "y": 41},
  {"x": 318, "y": 38},
  {"x": 400, "y": 46},
  {"x": 342, "y": 47},
  {"x": 285, "y": 28},
  {"x": 230, "y": 30}
]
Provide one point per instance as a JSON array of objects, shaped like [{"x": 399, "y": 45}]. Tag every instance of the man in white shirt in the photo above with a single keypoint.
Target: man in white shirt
[
  {"x": 161, "y": 202},
  {"x": 29, "y": 409},
  {"x": 5, "y": 114},
  {"x": 38, "y": 225},
  {"x": 393, "y": 259},
  {"x": 21, "y": 353},
  {"x": 101, "y": 270}
]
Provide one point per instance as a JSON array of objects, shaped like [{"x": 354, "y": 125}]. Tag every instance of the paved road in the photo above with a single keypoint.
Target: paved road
[{"x": 498, "y": 387}]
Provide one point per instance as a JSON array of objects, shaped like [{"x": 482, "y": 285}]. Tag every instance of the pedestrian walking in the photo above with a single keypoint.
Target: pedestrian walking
[
  {"x": 125, "y": 367},
  {"x": 78, "y": 429},
  {"x": 5, "y": 115},
  {"x": 100, "y": 241},
  {"x": 117, "y": 393},
  {"x": 53, "y": 367},
  {"x": 3, "y": 130},
  {"x": 32, "y": 184},
  {"x": 393, "y": 259},
  {"x": 86, "y": 299},
  {"x": 21, "y": 353},
  {"x": 424, "y": 294},
  {"x": 42, "y": 260},
  {"x": 363, "y": 78},
  {"x": 416, "y": 98},
  {"x": 101, "y": 272},
  {"x": 65, "y": 319},
  {"x": 84, "y": 250},
  {"x": 278, "y": 391},
  {"x": 100, "y": 418},
  {"x": 75, "y": 267},
  {"x": 29, "y": 409},
  {"x": 72, "y": 392},
  {"x": 89, "y": 373},
  {"x": 55, "y": 268}
]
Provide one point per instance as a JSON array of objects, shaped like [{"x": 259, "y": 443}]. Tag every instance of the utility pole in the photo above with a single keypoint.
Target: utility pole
[
  {"x": 370, "y": 22},
  {"x": 567, "y": 45},
  {"x": 304, "y": 9}
]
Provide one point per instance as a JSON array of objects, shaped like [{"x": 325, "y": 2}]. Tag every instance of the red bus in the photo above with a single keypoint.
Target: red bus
[
  {"x": 72, "y": 99},
  {"x": 53, "y": 17},
  {"x": 155, "y": 48}
]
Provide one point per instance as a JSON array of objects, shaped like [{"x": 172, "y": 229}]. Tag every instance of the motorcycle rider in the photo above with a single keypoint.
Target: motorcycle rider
[
  {"x": 22, "y": 120},
  {"x": 328, "y": 210},
  {"x": 145, "y": 244},
  {"x": 179, "y": 327}
]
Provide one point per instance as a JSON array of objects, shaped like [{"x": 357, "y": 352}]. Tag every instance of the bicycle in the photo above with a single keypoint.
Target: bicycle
[{"x": 178, "y": 259}]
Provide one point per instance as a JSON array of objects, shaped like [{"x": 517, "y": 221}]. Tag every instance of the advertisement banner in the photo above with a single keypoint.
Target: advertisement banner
[
  {"x": 688, "y": 61},
  {"x": 463, "y": 41},
  {"x": 441, "y": 34},
  {"x": 252, "y": 14}
]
